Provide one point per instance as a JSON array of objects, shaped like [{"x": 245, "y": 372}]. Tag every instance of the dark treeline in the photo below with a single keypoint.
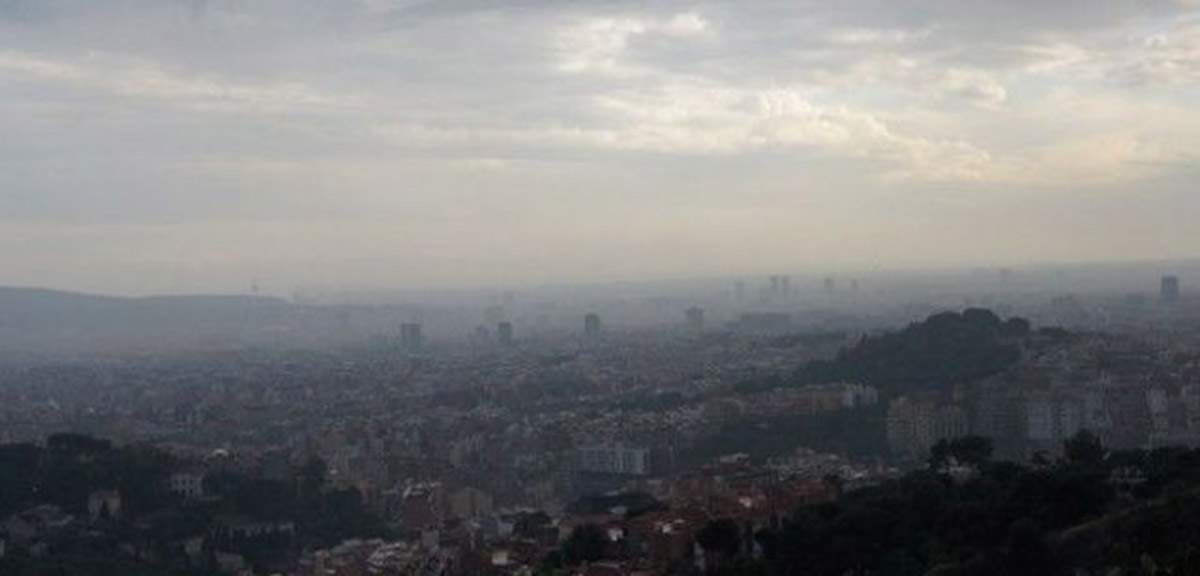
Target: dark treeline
[
  {"x": 930, "y": 356},
  {"x": 148, "y": 531},
  {"x": 1090, "y": 513}
]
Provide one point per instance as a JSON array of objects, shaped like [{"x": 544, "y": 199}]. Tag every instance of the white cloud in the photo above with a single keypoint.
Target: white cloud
[
  {"x": 1116, "y": 159},
  {"x": 1170, "y": 57},
  {"x": 140, "y": 78},
  {"x": 601, "y": 45},
  {"x": 685, "y": 24},
  {"x": 877, "y": 38},
  {"x": 1055, "y": 57},
  {"x": 650, "y": 107},
  {"x": 16, "y": 62},
  {"x": 714, "y": 119},
  {"x": 149, "y": 113},
  {"x": 975, "y": 86}
]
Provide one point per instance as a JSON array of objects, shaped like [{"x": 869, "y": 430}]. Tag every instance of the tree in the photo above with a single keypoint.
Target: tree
[
  {"x": 721, "y": 540},
  {"x": 973, "y": 451},
  {"x": 1083, "y": 449},
  {"x": 70, "y": 445},
  {"x": 1028, "y": 552},
  {"x": 586, "y": 544},
  {"x": 722, "y": 536},
  {"x": 18, "y": 475},
  {"x": 312, "y": 476},
  {"x": 930, "y": 356},
  {"x": 834, "y": 482}
]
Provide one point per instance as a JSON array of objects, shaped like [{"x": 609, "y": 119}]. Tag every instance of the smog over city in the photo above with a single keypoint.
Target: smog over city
[{"x": 603, "y": 287}]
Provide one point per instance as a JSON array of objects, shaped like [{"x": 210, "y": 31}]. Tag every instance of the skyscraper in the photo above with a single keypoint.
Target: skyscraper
[
  {"x": 504, "y": 333},
  {"x": 493, "y": 314},
  {"x": 591, "y": 326},
  {"x": 1169, "y": 292},
  {"x": 695, "y": 320},
  {"x": 410, "y": 336}
]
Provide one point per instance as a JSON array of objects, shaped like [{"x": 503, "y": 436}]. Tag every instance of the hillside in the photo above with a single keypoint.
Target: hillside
[
  {"x": 933, "y": 355},
  {"x": 49, "y": 321}
]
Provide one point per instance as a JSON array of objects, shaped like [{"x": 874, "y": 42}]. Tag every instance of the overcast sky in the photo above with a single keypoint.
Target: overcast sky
[{"x": 198, "y": 145}]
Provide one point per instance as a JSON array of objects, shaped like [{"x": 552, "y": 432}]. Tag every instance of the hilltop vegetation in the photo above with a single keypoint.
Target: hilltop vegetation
[{"x": 945, "y": 349}]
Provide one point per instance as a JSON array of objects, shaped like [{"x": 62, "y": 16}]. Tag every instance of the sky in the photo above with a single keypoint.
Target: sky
[{"x": 165, "y": 146}]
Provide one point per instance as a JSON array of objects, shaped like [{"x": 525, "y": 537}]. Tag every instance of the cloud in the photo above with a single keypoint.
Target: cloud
[
  {"x": 1055, "y": 57},
  {"x": 975, "y": 86},
  {"x": 1169, "y": 57},
  {"x": 219, "y": 114},
  {"x": 875, "y": 38},
  {"x": 209, "y": 93},
  {"x": 708, "y": 119},
  {"x": 601, "y": 45},
  {"x": 139, "y": 78},
  {"x": 650, "y": 106}
]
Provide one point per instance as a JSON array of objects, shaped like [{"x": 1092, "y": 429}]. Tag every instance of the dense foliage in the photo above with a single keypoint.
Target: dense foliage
[
  {"x": 946, "y": 349},
  {"x": 71, "y": 466},
  {"x": 1137, "y": 512},
  {"x": 1091, "y": 513},
  {"x": 147, "y": 535}
]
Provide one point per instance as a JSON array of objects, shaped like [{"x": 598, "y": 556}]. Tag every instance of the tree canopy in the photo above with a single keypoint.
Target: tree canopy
[{"x": 944, "y": 350}]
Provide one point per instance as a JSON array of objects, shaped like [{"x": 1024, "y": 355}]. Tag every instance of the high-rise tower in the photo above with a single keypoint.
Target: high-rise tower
[
  {"x": 695, "y": 320},
  {"x": 1169, "y": 290},
  {"x": 410, "y": 336},
  {"x": 591, "y": 326}
]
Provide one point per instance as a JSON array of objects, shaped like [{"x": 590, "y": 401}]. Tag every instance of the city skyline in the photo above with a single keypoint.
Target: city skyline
[{"x": 600, "y": 287}]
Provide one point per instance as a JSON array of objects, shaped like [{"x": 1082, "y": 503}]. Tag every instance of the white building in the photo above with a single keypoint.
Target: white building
[
  {"x": 854, "y": 395},
  {"x": 189, "y": 485},
  {"x": 615, "y": 459}
]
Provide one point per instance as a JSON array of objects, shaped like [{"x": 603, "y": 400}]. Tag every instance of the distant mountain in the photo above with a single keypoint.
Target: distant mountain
[{"x": 40, "y": 320}]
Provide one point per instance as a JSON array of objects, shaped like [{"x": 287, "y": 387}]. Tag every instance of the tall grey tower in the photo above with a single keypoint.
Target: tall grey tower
[
  {"x": 591, "y": 326},
  {"x": 410, "y": 336},
  {"x": 1169, "y": 291},
  {"x": 695, "y": 320},
  {"x": 504, "y": 333}
]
